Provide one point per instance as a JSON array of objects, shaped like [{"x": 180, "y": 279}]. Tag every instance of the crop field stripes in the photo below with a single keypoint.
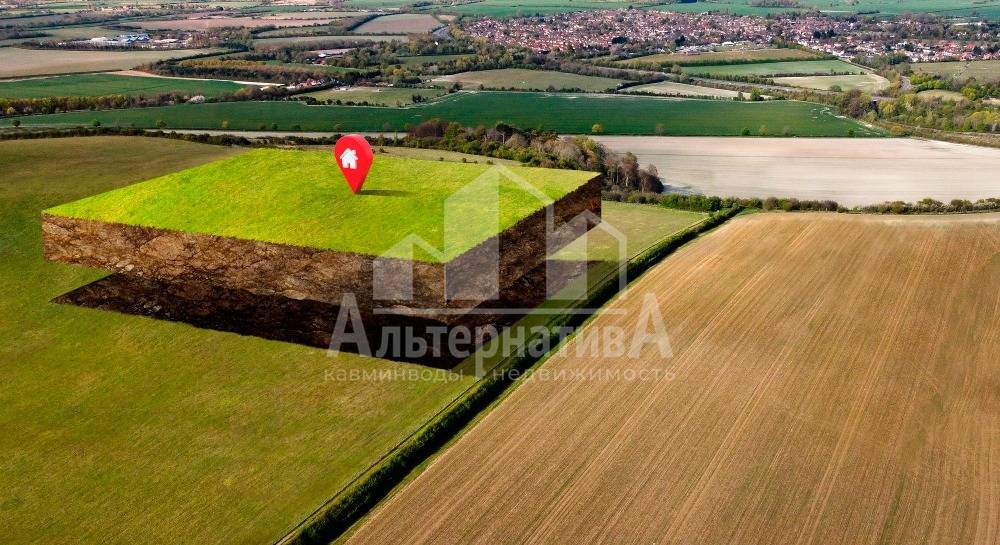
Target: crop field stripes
[{"x": 824, "y": 392}]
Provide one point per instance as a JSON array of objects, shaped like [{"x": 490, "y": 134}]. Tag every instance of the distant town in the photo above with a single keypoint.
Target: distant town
[{"x": 919, "y": 39}]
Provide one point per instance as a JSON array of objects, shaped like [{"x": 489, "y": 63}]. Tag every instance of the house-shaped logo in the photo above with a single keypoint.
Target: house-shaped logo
[{"x": 349, "y": 159}]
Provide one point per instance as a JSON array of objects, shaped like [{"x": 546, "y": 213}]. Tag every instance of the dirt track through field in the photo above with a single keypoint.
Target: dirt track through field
[{"x": 835, "y": 381}]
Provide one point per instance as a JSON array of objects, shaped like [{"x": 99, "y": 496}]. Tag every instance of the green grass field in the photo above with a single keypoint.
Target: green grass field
[
  {"x": 119, "y": 429},
  {"x": 775, "y": 68},
  {"x": 869, "y": 83},
  {"x": 300, "y": 198},
  {"x": 983, "y": 71},
  {"x": 742, "y": 55},
  {"x": 563, "y": 112},
  {"x": 519, "y": 78},
  {"x": 671, "y": 88},
  {"x": 382, "y": 96},
  {"x": 87, "y": 85},
  {"x": 633, "y": 220}
]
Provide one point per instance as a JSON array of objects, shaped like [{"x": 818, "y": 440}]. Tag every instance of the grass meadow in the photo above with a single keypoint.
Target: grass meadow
[
  {"x": 380, "y": 96},
  {"x": 869, "y": 83},
  {"x": 126, "y": 429},
  {"x": 87, "y": 85},
  {"x": 733, "y": 55},
  {"x": 562, "y": 112},
  {"x": 768, "y": 69},
  {"x": 961, "y": 70}
]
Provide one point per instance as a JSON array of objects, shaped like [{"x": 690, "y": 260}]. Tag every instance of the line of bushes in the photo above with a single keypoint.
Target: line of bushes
[
  {"x": 931, "y": 206},
  {"x": 710, "y": 203},
  {"x": 338, "y": 515}
]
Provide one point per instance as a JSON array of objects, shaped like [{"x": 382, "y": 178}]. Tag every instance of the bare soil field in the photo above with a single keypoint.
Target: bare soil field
[
  {"x": 402, "y": 22},
  {"x": 834, "y": 380},
  {"x": 851, "y": 172},
  {"x": 15, "y": 61}
]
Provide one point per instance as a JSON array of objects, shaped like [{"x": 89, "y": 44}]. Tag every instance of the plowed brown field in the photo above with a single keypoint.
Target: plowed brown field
[{"x": 837, "y": 381}]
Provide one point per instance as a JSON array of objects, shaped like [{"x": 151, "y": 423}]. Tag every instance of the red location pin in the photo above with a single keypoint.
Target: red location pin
[{"x": 354, "y": 157}]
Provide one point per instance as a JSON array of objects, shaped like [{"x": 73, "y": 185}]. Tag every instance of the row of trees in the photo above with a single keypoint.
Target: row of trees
[
  {"x": 621, "y": 172},
  {"x": 11, "y": 107}
]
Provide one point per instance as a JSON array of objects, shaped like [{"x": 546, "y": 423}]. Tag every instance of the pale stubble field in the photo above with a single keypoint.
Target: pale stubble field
[{"x": 835, "y": 382}]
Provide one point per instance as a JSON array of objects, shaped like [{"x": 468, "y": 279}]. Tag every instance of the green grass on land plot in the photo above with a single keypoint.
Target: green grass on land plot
[
  {"x": 983, "y": 71},
  {"x": 562, "y": 112},
  {"x": 87, "y": 85},
  {"x": 383, "y": 96},
  {"x": 633, "y": 221},
  {"x": 301, "y": 198},
  {"x": 775, "y": 68},
  {"x": 734, "y": 55},
  {"x": 15, "y": 61},
  {"x": 519, "y": 78},
  {"x": 122, "y": 429}
]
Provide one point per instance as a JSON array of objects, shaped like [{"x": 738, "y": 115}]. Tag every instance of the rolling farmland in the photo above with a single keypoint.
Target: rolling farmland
[
  {"x": 137, "y": 434},
  {"x": 767, "y": 69},
  {"x": 981, "y": 70},
  {"x": 319, "y": 41},
  {"x": 87, "y": 85},
  {"x": 832, "y": 380},
  {"x": 563, "y": 112},
  {"x": 869, "y": 83},
  {"x": 734, "y": 55},
  {"x": 670, "y": 88},
  {"x": 538, "y": 80},
  {"x": 16, "y": 61},
  {"x": 400, "y": 23},
  {"x": 382, "y": 96}
]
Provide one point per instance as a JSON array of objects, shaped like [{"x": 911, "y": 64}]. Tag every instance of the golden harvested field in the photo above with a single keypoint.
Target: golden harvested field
[
  {"x": 16, "y": 61},
  {"x": 835, "y": 381}
]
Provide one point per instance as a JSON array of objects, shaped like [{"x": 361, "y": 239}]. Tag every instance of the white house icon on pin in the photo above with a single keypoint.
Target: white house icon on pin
[{"x": 349, "y": 159}]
